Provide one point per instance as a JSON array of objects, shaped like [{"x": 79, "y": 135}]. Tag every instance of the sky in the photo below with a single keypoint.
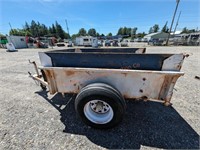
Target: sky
[{"x": 103, "y": 15}]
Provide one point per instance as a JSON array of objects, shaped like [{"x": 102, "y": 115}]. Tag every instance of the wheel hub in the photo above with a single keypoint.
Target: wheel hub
[
  {"x": 99, "y": 106},
  {"x": 98, "y": 111}
]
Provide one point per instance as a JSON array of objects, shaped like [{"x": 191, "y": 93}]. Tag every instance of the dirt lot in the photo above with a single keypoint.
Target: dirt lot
[{"x": 33, "y": 119}]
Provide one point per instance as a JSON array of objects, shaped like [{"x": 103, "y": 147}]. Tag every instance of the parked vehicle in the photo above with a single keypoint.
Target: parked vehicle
[
  {"x": 70, "y": 44},
  {"x": 107, "y": 43},
  {"x": 124, "y": 43},
  {"x": 100, "y": 43},
  {"x": 115, "y": 44},
  {"x": 156, "y": 42},
  {"x": 87, "y": 41},
  {"x": 138, "y": 40},
  {"x": 180, "y": 39},
  {"x": 144, "y": 40},
  {"x": 102, "y": 79}
]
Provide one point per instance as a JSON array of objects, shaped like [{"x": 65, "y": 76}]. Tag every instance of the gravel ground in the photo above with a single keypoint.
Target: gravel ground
[{"x": 34, "y": 119}]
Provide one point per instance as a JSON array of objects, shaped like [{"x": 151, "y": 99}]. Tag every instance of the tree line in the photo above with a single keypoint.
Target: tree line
[
  {"x": 37, "y": 29},
  {"x": 124, "y": 31}
]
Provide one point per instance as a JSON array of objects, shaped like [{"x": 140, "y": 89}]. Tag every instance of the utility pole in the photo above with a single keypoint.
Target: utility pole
[
  {"x": 177, "y": 22},
  {"x": 177, "y": 3},
  {"x": 10, "y": 26},
  {"x": 67, "y": 26},
  {"x": 11, "y": 32}
]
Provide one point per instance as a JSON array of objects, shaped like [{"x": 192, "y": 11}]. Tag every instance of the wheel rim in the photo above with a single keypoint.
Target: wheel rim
[{"x": 98, "y": 111}]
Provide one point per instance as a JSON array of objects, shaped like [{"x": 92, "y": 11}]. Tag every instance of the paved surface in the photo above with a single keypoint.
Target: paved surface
[{"x": 33, "y": 119}]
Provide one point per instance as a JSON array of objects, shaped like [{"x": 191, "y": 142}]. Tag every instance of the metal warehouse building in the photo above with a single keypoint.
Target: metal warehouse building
[{"x": 157, "y": 35}]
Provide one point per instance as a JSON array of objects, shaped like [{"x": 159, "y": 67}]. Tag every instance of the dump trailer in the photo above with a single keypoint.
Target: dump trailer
[{"x": 104, "y": 78}]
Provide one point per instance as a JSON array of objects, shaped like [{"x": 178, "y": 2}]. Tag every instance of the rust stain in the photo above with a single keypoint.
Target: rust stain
[
  {"x": 125, "y": 74},
  {"x": 126, "y": 67},
  {"x": 88, "y": 72},
  {"x": 69, "y": 73},
  {"x": 186, "y": 55},
  {"x": 144, "y": 98}
]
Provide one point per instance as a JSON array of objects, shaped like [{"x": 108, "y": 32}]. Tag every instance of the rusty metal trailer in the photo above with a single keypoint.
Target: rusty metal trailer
[{"x": 103, "y": 78}]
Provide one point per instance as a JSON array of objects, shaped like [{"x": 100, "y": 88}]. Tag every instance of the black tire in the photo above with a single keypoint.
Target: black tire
[
  {"x": 103, "y": 85},
  {"x": 108, "y": 97}
]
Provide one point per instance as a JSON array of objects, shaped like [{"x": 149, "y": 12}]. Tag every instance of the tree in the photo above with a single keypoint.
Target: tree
[
  {"x": 165, "y": 28},
  {"x": 120, "y": 31},
  {"x": 44, "y": 29},
  {"x": 128, "y": 31},
  {"x": 92, "y": 32},
  {"x": 141, "y": 35},
  {"x": 124, "y": 30},
  {"x": 133, "y": 32},
  {"x": 53, "y": 30},
  {"x": 59, "y": 30},
  {"x": 67, "y": 36},
  {"x": 109, "y": 34},
  {"x": 27, "y": 26},
  {"x": 151, "y": 30},
  {"x": 1, "y": 35},
  {"x": 28, "y": 33},
  {"x": 33, "y": 28},
  {"x": 154, "y": 29},
  {"x": 74, "y": 36},
  {"x": 82, "y": 32},
  {"x": 185, "y": 30},
  {"x": 17, "y": 32}
]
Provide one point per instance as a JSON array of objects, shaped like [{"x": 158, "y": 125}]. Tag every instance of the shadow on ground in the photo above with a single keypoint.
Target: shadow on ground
[{"x": 145, "y": 123}]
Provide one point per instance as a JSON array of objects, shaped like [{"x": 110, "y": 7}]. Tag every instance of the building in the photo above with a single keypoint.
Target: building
[
  {"x": 157, "y": 35},
  {"x": 17, "y": 41}
]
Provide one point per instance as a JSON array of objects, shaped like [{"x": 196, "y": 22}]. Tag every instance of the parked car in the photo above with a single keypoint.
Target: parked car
[
  {"x": 100, "y": 43},
  {"x": 144, "y": 40},
  {"x": 138, "y": 40},
  {"x": 156, "y": 42},
  {"x": 70, "y": 44},
  {"x": 115, "y": 43},
  {"x": 124, "y": 43},
  {"x": 107, "y": 43}
]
